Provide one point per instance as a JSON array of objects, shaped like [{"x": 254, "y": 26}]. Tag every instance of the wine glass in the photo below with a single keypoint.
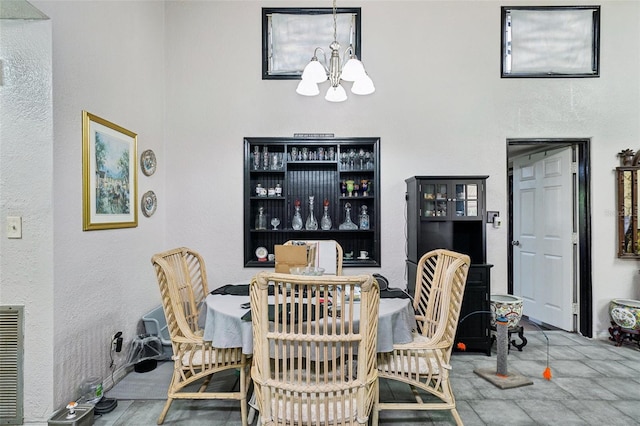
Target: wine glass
[
  {"x": 343, "y": 160},
  {"x": 275, "y": 222},
  {"x": 367, "y": 156},
  {"x": 352, "y": 159},
  {"x": 350, "y": 187}
]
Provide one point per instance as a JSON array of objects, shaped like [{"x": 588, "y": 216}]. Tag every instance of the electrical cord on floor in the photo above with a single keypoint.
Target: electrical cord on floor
[{"x": 112, "y": 364}]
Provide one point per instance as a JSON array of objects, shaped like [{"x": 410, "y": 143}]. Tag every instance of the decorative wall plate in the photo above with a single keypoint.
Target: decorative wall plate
[
  {"x": 148, "y": 162},
  {"x": 149, "y": 203}
]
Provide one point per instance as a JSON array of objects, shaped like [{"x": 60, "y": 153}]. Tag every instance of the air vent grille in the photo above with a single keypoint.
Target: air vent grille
[{"x": 11, "y": 365}]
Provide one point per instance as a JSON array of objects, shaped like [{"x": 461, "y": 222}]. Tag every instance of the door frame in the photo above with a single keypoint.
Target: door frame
[{"x": 582, "y": 157}]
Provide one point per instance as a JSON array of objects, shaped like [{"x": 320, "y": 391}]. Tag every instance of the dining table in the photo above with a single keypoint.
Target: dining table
[{"x": 225, "y": 327}]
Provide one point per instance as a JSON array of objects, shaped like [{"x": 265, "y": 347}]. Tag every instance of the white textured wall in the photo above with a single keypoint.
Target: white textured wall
[
  {"x": 26, "y": 168},
  {"x": 185, "y": 76},
  {"x": 108, "y": 59}
]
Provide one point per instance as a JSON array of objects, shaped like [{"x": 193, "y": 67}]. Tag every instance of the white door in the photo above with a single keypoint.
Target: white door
[{"x": 543, "y": 248}]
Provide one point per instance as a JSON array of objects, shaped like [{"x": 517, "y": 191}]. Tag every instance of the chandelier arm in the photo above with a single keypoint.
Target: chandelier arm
[
  {"x": 351, "y": 51},
  {"x": 324, "y": 54}
]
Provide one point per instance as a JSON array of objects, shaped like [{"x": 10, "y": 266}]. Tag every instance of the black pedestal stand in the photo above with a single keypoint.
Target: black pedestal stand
[
  {"x": 519, "y": 330},
  {"x": 619, "y": 334}
]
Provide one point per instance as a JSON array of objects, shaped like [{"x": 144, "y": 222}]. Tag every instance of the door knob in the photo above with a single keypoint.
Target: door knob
[{"x": 515, "y": 243}]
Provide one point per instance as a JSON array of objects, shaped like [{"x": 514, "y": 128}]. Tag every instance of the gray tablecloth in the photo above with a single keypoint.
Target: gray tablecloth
[{"x": 224, "y": 327}]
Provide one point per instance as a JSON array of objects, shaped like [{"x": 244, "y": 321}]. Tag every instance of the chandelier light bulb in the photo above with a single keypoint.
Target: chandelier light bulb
[
  {"x": 314, "y": 72},
  {"x": 307, "y": 88},
  {"x": 336, "y": 94},
  {"x": 363, "y": 86},
  {"x": 353, "y": 70}
]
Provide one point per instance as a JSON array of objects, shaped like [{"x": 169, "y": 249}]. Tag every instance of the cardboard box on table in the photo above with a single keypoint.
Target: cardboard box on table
[{"x": 290, "y": 256}]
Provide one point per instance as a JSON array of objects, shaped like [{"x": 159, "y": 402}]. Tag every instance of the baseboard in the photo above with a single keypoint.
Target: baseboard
[{"x": 110, "y": 381}]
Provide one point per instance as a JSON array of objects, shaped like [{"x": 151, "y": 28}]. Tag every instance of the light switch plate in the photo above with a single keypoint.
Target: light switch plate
[{"x": 14, "y": 227}]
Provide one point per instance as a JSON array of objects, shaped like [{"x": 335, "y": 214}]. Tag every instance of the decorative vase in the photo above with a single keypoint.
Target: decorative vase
[
  {"x": 508, "y": 306},
  {"x": 296, "y": 223},
  {"x": 625, "y": 313},
  {"x": 348, "y": 223},
  {"x": 312, "y": 223},
  {"x": 364, "y": 218},
  {"x": 261, "y": 219},
  {"x": 325, "y": 222}
]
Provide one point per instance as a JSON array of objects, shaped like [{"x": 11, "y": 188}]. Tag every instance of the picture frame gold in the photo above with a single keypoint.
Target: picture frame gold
[{"x": 109, "y": 175}]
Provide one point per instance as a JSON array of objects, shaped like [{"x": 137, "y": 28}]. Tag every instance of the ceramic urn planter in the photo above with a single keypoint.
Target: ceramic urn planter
[
  {"x": 625, "y": 313},
  {"x": 508, "y": 306}
]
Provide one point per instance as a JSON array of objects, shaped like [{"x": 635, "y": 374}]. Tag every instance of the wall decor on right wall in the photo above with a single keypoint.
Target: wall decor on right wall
[{"x": 550, "y": 41}]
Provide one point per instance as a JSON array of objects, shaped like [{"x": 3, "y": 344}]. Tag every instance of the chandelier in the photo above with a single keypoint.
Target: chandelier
[{"x": 353, "y": 70}]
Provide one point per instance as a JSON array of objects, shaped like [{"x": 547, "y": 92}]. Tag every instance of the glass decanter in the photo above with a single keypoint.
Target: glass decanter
[
  {"x": 256, "y": 158},
  {"x": 312, "y": 223},
  {"x": 347, "y": 224},
  {"x": 364, "y": 218},
  {"x": 325, "y": 222},
  {"x": 296, "y": 223},
  {"x": 261, "y": 219}
]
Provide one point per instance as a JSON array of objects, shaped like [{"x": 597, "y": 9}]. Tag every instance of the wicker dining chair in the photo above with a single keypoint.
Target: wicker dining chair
[
  {"x": 339, "y": 252},
  {"x": 424, "y": 363},
  {"x": 183, "y": 285},
  {"x": 314, "y": 363}
]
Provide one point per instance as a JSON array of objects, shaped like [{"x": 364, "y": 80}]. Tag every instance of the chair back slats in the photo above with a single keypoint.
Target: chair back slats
[
  {"x": 314, "y": 348},
  {"x": 433, "y": 293},
  {"x": 182, "y": 278}
]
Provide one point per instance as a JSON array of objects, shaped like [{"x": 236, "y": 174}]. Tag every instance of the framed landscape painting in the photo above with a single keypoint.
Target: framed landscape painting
[{"x": 109, "y": 175}]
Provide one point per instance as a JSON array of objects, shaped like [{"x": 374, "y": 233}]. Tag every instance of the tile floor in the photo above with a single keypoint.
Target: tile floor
[{"x": 594, "y": 383}]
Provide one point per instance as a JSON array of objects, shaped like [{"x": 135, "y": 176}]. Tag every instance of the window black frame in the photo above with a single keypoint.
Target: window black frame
[{"x": 595, "y": 43}]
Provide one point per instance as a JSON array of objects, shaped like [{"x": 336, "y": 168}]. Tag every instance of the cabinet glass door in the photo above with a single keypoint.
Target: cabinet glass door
[
  {"x": 434, "y": 199},
  {"x": 466, "y": 199}
]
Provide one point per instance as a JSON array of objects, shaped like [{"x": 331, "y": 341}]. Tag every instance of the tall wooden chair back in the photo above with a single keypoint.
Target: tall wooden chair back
[
  {"x": 424, "y": 363},
  {"x": 314, "y": 349},
  {"x": 182, "y": 279}
]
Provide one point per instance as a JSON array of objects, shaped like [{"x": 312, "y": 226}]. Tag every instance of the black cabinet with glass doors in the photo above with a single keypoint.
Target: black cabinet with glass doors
[
  {"x": 449, "y": 212},
  {"x": 341, "y": 174}
]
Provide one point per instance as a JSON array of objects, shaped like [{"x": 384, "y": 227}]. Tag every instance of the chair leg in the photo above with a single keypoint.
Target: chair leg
[
  {"x": 456, "y": 416},
  {"x": 165, "y": 410},
  {"x": 253, "y": 404},
  {"x": 375, "y": 412},
  {"x": 243, "y": 412},
  {"x": 252, "y": 415}
]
